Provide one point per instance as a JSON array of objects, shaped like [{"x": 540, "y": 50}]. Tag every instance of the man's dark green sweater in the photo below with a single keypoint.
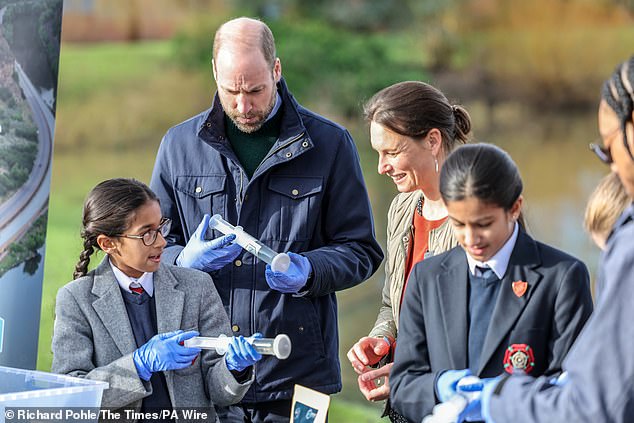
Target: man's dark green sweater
[{"x": 252, "y": 148}]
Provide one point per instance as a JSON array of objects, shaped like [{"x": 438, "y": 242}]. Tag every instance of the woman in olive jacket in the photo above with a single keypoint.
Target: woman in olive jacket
[{"x": 413, "y": 127}]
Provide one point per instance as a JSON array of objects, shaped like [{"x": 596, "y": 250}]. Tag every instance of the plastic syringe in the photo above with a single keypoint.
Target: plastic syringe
[
  {"x": 280, "y": 346},
  {"x": 279, "y": 261}
]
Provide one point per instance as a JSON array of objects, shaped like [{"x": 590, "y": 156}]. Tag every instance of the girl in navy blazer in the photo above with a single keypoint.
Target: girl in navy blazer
[{"x": 500, "y": 302}]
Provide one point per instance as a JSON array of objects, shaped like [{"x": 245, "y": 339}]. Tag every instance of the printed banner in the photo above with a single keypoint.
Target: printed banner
[{"x": 29, "y": 60}]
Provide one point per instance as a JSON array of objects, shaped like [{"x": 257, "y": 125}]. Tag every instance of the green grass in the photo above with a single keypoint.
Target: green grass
[
  {"x": 95, "y": 68},
  {"x": 341, "y": 411}
]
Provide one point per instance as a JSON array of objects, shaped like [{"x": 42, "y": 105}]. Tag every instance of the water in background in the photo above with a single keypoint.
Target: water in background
[{"x": 20, "y": 297}]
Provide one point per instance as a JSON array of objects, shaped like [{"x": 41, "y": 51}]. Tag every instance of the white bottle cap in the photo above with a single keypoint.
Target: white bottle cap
[
  {"x": 280, "y": 263},
  {"x": 282, "y": 346}
]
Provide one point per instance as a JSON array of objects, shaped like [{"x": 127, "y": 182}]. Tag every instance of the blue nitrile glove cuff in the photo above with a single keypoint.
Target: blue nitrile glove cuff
[
  {"x": 164, "y": 352},
  {"x": 241, "y": 353},
  {"x": 208, "y": 255},
  {"x": 446, "y": 383},
  {"x": 294, "y": 279},
  {"x": 141, "y": 368}
]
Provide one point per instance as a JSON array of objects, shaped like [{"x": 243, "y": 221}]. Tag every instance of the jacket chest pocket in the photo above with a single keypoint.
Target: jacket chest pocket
[
  {"x": 198, "y": 195},
  {"x": 295, "y": 202}
]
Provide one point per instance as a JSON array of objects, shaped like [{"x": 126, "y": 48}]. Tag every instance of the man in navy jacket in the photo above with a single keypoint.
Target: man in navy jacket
[{"x": 290, "y": 178}]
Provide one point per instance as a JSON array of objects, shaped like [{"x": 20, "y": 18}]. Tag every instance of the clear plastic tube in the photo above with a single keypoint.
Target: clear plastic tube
[
  {"x": 280, "y": 346},
  {"x": 279, "y": 261}
]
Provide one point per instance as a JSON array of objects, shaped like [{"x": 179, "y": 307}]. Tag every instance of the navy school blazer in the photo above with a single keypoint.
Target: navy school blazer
[{"x": 433, "y": 335}]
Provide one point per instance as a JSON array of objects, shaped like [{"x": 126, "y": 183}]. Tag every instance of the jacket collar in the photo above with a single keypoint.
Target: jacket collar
[
  {"x": 212, "y": 127},
  {"x": 453, "y": 297},
  {"x": 110, "y": 307},
  {"x": 212, "y": 130}
]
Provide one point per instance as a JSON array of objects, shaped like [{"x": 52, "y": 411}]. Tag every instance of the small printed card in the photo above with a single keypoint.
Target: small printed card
[{"x": 309, "y": 406}]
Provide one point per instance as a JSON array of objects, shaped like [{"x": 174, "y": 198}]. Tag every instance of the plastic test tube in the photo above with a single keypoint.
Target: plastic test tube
[
  {"x": 279, "y": 262},
  {"x": 280, "y": 346}
]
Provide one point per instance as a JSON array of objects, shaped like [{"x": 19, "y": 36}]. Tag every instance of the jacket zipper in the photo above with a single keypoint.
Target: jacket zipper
[
  {"x": 301, "y": 134},
  {"x": 241, "y": 192},
  {"x": 291, "y": 141}
]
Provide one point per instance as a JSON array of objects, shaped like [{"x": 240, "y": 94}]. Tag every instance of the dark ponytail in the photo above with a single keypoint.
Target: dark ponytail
[
  {"x": 462, "y": 124},
  {"x": 618, "y": 92},
  {"x": 108, "y": 210},
  {"x": 413, "y": 108},
  {"x": 482, "y": 171}
]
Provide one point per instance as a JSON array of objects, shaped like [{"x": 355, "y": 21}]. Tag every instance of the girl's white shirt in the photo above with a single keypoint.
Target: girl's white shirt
[
  {"x": 125, "y": 282},
  {"x": 500, "y": 260}
]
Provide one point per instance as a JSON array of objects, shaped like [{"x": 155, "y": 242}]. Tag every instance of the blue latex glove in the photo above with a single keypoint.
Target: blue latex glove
[
  {"x": 293, "y": 279},
  {"x": 446, "y": 383},
  {"x": 478, "y": 408},
  {"x": 241, "y": 354},
  {"x": 205, "y": 255},
  {"x": 164, "y": 352}
]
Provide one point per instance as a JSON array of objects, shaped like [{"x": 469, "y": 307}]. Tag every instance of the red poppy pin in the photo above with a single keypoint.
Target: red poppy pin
[
  {"x": 519, "y": 358},
  {"x": 519, "y": 288}
]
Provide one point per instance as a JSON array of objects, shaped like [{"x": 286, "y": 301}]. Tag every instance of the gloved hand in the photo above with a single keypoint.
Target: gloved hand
[
  {"x": 477, "y": 408},
  {"x": 241, "y": 354},
  {"x": 293, "y": 279},
  {"x": 164, "y": 352},
  {"x": 447, "y": 381},
  {"x": 447, "y": 411},
  {"x": 207, "y": 255}
]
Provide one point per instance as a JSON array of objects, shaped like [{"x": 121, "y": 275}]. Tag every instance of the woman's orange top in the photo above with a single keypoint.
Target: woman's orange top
[{"x": 420, "y": 244}]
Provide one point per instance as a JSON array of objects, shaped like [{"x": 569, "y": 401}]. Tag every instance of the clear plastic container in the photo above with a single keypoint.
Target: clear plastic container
[{"x": 33, "y": 389}]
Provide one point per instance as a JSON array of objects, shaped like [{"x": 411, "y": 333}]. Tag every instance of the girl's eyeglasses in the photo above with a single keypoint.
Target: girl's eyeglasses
[
  {"x": 604, "y": 154},
  {"x": 149, "y": 237}
]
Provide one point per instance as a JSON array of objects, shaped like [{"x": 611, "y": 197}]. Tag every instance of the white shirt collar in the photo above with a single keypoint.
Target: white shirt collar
[
  {"x": 146, "y": 280},
  {"x": 500, "y": 260},
  {"x": 278, "y": 104}
]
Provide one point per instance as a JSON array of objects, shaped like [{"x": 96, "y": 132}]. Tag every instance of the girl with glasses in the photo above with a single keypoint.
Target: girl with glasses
[{"x": 125, "y": 321}]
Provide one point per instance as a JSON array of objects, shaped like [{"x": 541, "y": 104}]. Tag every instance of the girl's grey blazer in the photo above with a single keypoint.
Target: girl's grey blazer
[{"x": 93, "y": 338}]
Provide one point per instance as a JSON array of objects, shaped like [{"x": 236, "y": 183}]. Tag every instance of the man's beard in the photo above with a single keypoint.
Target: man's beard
[{"x": 260, "y": 116}]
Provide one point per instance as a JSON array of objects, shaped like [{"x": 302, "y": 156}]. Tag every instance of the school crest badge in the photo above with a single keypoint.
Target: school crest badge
[
  {"x": 519, "y": 288},
  {"x": 519, "y": 358}
]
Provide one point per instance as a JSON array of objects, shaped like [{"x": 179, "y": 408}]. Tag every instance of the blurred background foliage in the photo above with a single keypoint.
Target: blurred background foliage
[
  {"x": 528, "y": 72},
  {"x": 343, "y": 67}
]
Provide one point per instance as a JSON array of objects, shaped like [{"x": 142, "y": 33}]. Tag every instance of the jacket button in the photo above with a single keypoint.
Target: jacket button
[
  {"x": 208, "y": 125},
  {"x": 301, "y": 328},
  {"x": 198, "y": 189},
  {"x": 238, "y": 263},
  {"x": 289, "y": 155},
  {"x": 405, "y": 239},
  {"x": 305, "y": 144},
  {"x": 235, "y": 328},
  {"x": 295, "y": 192}
]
